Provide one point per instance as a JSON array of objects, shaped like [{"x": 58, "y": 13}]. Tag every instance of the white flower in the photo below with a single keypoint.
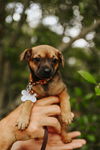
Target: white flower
[{"x": 27, "y": 96}]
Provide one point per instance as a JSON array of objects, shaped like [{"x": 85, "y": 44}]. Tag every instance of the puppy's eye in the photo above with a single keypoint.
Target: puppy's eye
[
  {"x": 54, "y": 60},
  {"x": 37, "y": 59}
]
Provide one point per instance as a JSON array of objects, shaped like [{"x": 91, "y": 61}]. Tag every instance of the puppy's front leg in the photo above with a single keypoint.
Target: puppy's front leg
[
  {"x": 24, "y": 116},
  {"x": 66, "y": 115}
]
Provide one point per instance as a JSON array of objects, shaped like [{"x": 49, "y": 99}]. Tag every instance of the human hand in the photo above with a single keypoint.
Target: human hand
[
  {"x": 42, "y": 115},
  {"x": 54, "y": 143}
]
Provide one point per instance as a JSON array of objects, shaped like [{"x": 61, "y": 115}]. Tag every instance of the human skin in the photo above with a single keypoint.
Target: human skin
[
  {"x": 42, "y": 115},
  {"x": 54, "y": 143}
]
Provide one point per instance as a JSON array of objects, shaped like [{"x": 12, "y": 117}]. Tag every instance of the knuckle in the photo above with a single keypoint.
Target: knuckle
[{"x": 34, "y": 129}]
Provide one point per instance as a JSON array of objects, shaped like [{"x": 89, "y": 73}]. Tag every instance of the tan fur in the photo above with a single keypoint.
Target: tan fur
[{"x": 56, "y": 87}]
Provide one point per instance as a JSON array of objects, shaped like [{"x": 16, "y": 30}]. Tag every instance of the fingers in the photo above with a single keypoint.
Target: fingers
[
  {"x": 73, "y": 145},
  {"x": 52, "y": 122},
  {"x": 51, "y": 110},
  {"x": 81, "y": 141},
  {"x": 72, "y": 114},
  {"x": 46, "y": 111},
  {"x": 47, "y": 101},
  {"x": 74, "y": 134}
]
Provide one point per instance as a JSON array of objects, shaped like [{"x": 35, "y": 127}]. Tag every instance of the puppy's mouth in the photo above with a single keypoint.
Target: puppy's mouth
[{"x": 44, "y": 73}]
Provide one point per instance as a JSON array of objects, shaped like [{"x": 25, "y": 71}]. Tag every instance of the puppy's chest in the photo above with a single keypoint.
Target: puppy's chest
[{"x": 50, "y": 89}]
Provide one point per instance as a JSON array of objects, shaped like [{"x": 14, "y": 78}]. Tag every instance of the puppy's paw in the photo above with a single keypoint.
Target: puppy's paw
[
  {"x": 67, "y": 118},
  {"x": 22, "y": 123},
  {"x": 66, "y": 139}
]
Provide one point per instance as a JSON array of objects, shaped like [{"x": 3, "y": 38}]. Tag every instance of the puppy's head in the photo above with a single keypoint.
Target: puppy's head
[{"x": 43, "y": 60}]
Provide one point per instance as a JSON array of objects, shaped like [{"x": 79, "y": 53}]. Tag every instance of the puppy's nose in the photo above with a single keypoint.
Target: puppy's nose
[{"x": 47, "y": 70}]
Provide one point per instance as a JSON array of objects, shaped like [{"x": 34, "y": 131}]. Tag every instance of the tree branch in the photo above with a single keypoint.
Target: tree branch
[{"x": 85, "y": 31}]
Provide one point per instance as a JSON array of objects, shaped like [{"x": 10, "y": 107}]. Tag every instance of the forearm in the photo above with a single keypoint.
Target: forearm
[
  {"x": 8, "y": 129},
  {"x": 7, "y": 137}
]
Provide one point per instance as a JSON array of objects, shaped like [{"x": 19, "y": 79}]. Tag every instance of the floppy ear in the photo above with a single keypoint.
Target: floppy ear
[
  {"x": 61, "y": 58},
  {"x": 26, "y": 55}
]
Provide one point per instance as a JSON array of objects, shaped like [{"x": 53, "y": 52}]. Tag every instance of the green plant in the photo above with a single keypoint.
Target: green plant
[{"x": 90, "y": 78}]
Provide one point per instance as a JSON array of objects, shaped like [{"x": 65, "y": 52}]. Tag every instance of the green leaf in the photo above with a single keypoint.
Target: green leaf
[
  {"x": 87, "y": 76},
  {"x": 88, "y": 96},
  {"x": 91, "y": 137},
  {"x": 78, "y": 91},
  {"x": 97, "y": 90}
]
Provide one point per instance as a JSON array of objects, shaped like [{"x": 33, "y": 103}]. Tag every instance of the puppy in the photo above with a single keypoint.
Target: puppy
[{"x": 44, "y": 62}]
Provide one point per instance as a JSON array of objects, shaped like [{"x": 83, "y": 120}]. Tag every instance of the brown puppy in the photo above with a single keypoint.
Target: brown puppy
[{"x": 45, "y": 79}]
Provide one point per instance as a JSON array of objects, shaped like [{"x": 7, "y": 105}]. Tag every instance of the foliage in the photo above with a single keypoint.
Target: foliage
[
  {"x": 26, "y": 23},
  {"x": 88, "y": 77}
]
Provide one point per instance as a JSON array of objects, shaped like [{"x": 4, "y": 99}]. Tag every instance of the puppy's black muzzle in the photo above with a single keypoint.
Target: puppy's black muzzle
[{"x": 45, "y": 72}]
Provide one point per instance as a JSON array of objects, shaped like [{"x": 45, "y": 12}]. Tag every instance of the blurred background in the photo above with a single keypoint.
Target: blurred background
[{"x": 72, "y": 26}]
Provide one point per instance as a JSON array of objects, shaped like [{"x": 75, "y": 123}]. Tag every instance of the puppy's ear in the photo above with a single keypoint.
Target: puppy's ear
[
  {"x": 61, "y": 58},
  {"x": 26, "y": 55}
]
